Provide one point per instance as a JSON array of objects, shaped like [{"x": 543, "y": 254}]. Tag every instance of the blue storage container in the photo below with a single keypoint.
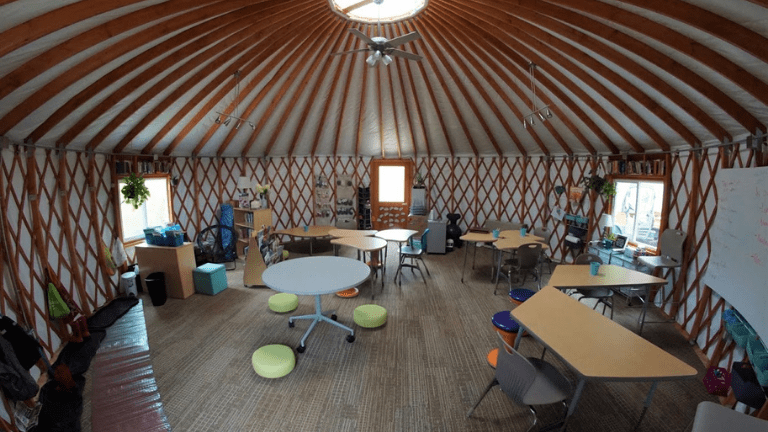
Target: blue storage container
[{"x": 210, "y": 278}]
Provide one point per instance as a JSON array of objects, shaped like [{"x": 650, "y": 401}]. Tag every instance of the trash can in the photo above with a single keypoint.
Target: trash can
[
  {"x": 156, "y": 287},
  {"x": 128, "y": 284},
  {"x": 135, "y": 268}
]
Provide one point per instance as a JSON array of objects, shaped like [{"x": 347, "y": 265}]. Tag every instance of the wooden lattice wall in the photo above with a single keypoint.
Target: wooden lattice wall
[{"x": 61, "y": 205}]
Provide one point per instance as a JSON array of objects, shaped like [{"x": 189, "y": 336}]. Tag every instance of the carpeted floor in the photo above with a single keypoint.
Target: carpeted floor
[{"x": 422, "y": 371}]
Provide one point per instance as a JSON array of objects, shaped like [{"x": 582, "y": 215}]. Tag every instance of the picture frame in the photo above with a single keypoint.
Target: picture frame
[{"x": 620, "y": 242}]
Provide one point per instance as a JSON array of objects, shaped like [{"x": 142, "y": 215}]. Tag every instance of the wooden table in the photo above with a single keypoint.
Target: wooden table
[
  {"x": 177, "y": 263},
  {"x": 365, "y": 244},
  {"x": 595, "y": 347},
  {"x": 312, "y": 232},
  {"x": 473, "y": 237},
  {"x": 609, "y": 276},
  {"x": 316, "y": 276},
  {"x": 340, "y": 232},
  {"x": 397, "y": 235}
]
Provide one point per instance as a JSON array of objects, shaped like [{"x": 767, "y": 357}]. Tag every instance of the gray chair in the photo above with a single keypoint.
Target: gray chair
[
  {"x": 670, "y": 255},
  {"x": 527, "y": 381},
  {"x": 524, "y": 262},
  {"x": 413, "y": 253},
  {"x": 603, "y": 295},
  {"x": 546, "y": 254}
]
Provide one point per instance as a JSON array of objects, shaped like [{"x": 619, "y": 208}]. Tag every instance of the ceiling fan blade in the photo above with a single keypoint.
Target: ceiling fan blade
[
  {"x": 405, "y": 54},
  {"x": 350, "y": 52},
  {"x": 404, "y": 39},
  {"x": 362, "y": 36}
]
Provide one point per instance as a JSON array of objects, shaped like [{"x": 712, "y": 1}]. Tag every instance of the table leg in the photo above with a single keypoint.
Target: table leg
[
  {"x": 319, "y": 316},
  {"x": 574, "y": 402},
  {"x": 466, "y": 251},
  {"x": 647, "y": 404}
]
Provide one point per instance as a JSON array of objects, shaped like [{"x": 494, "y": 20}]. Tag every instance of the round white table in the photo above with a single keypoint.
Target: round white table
[{"x": 316, "y": 276}]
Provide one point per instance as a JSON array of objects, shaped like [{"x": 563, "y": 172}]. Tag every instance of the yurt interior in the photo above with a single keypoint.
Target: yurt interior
[{"x": 383, "y": 215}]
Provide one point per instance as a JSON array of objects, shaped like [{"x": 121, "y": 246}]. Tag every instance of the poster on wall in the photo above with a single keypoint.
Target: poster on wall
[
  {"x": 323, "y": 194},
  {"x": 345, "y": 202}
]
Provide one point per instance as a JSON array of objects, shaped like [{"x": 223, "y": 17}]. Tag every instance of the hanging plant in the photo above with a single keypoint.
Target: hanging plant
[
  {"x": 600, "y": 185},
  {"x": 418, "y": 182},
  {"x": 134, "y": 191}
]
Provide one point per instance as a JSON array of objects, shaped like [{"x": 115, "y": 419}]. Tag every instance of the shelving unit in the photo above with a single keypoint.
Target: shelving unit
[
  {"x": 645, "y": 165},
  {"x": 364, "y": 208},
  {"x": 247, "y": 223}
]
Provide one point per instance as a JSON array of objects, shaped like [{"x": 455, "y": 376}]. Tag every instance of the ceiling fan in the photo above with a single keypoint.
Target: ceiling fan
[{"x": 382, "y": 48}]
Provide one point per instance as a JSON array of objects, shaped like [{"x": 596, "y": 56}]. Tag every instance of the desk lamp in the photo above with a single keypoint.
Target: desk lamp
[
  {"x": 606, "y": 221},
  {"x": 244, "y": 184}
]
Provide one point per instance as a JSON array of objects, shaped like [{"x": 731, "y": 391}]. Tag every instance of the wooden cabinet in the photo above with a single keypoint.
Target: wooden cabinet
[
  {"x": 177, "y": 263},
  {"x": 247, "y": 223}
]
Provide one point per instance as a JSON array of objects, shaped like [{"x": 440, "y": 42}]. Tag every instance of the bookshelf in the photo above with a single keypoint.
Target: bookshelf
[
  {"x": 247, "y": 223},
  {"x": 648, "y": 165}
]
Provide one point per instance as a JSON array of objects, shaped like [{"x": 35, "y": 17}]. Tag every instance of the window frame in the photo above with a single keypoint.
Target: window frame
[
  {"x": 118, "y": 187},
  {"x": 664, "y": 220}
]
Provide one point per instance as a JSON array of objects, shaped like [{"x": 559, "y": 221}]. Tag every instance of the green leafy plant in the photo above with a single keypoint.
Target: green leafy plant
[
  {"x": 134, "y": 192},
  {"x": 419, "y": 180},
  {"x": 600, "y": 185}
]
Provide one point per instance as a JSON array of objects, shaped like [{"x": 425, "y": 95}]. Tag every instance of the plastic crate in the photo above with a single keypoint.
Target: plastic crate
[
  {"x": 741, "y": 333},
  {"x": 745, "y": 385},
  {"x": 760, "y": 365},
  {"x": 755, "y": 349}
]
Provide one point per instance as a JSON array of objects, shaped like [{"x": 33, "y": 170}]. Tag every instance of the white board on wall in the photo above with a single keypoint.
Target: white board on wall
[{"x": 738, "y": 261}]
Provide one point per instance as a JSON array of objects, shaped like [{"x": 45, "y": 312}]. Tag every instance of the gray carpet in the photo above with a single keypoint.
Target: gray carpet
[{"x": 422, "y": 371}]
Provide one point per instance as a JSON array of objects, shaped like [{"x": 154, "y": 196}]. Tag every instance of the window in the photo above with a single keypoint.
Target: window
[
  {"x": 155, "y": 211},
  {"x": 392, "y": 184},
  {"x": 370, "y": 11},
  {"x": 637, "y": 209}
]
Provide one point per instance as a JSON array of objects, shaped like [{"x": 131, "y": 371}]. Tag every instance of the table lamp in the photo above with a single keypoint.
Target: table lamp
[
  {"x": 244, "y": 184},
  {"x": 606, "y": 221}
]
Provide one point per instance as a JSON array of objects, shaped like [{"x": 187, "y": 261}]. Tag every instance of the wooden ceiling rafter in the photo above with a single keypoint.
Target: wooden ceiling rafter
[
  {"x": 323, "y": 60},
  {"x": 519, "y": 67},
  {"x": 307, "y": 74},
  {"x": 398, "y": 75},
  {"x": 465, "y": 92},
  {"x": 526, "y": 36},
  {"x": 257, "y": 54},
  {"x": 458, "y": 45},
  {"x": 102, "y": 33},
  {"x": 388, "y": 31},
  {"x": 579, "y": 32},
  {"x": 347, "y": 45},
  {"x": 209, "y": 31},
  {"x": 363, "y": 93},
  {"x": 683, "y": 44},
  {"x": 336, "y": 133},
  {"x": 406, "y": 75},
  {"x": 354, "y": 6},
  {"x": 285, "y": 67},
  {"x": 444, "y": 86},
  {"x": 429, "y": 88},
  {"x": 54, "y": 20}
]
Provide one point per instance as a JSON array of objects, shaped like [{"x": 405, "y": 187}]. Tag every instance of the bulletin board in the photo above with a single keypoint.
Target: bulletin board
[{"x": 738, "y": 262}]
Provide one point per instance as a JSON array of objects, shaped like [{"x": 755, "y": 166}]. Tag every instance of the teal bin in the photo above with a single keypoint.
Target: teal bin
[{"x": 210, "y": 279}]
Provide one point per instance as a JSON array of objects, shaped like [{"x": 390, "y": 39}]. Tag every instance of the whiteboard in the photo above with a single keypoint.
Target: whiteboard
[{"x": 738, "y": 261}]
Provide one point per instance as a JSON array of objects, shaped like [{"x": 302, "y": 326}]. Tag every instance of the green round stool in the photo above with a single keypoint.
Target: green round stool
[
  {"x": 370, "y": 316},
  {"x": 273, "y": 361},
  {"x": 283, "y": 302},
  {"x": 285, "y": 255}
]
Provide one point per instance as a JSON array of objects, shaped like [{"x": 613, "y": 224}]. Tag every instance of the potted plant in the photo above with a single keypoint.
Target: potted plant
[
  {"x": 418, "y": 181},
  {"x": 600, "y": 185},
  {"x": 134, "y": 192}
]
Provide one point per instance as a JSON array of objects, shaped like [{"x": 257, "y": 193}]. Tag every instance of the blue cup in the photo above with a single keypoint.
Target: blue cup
[
  {"x": 593, "y": 268},
  {"x": 522, "y": 232},
  {"x": 306, "y": 228},
  {"x": 496, "y": 233}
]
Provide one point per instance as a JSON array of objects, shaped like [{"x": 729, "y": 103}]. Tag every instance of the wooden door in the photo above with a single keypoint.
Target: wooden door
[{"x": 391, "y": 181}]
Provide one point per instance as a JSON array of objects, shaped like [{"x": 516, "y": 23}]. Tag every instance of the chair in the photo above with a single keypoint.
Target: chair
[
  {"x": 410, "y": 251},
  {"x": 670, "y": 255},
  {"x": 546, "y": 254},
  {"x": 525, "y": 261},
  {"x": 603, "y": 295},
  {"x": 528, "y": 381},
  {"x": 218, "y": 244}
]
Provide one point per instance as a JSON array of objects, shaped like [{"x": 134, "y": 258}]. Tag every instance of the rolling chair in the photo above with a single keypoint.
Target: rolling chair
[
  {"x": 528, "y": 381},
  {"x": 603, "y": 295},
  {"x": 546, "y": 254},
  {"x": 413, "y": 253},
  {"x": 218, "y": 245}
]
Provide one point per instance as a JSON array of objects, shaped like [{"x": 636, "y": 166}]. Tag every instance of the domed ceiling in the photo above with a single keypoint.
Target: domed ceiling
[{"x": 633, "y": 76}]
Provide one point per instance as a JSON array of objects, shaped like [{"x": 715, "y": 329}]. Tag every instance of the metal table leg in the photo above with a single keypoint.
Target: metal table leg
[{"x": 466, "y": 251}]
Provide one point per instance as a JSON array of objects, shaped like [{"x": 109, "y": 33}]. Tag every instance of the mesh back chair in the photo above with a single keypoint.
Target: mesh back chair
[
  {"x": 527, "y": 381},
  {"x": 603, "y": 295},
  {"x": 670, "y": 255},
  {"x": 413, "y": 252},
  {"x": 525, "y": 262},
  {"x": 218, "y": 244}
]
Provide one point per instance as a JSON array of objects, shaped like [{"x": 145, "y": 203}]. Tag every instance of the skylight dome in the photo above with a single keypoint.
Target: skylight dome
[{"x": 368, "y": 11}]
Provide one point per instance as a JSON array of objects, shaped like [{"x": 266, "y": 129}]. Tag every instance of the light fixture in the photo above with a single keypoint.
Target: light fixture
[
  {"x": 228, "y": 117},
  {"x": 544, "y": 112},
  {"x": 606, "y": 220}
]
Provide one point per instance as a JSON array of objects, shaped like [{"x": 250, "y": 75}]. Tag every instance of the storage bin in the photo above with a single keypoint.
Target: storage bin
[
  {"x": 740, "y": 332},
  {"x": 745, "y": 386},
  {"x": 156, "y": 287},
  {"x": 761, "y": 370}
]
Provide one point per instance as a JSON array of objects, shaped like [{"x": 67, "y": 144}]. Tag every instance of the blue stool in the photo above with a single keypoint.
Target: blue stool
[
  {"x": 506, "y": 326},
  {"x": 210, "y": 278},
  {"x": 519, "y": 295}
]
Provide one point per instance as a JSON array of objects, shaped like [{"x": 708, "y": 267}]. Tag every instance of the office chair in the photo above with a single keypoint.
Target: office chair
[
  {"x": 528, "y": 381},
  {"x": 413, "y": 253},
  {"x": 603, "y": 295},
  {"x": 218, "y": 244},
  {"x": 525, "y": 261},
  {"x": 670, "y": 255},
  {"x": 546, "y": 254}
]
